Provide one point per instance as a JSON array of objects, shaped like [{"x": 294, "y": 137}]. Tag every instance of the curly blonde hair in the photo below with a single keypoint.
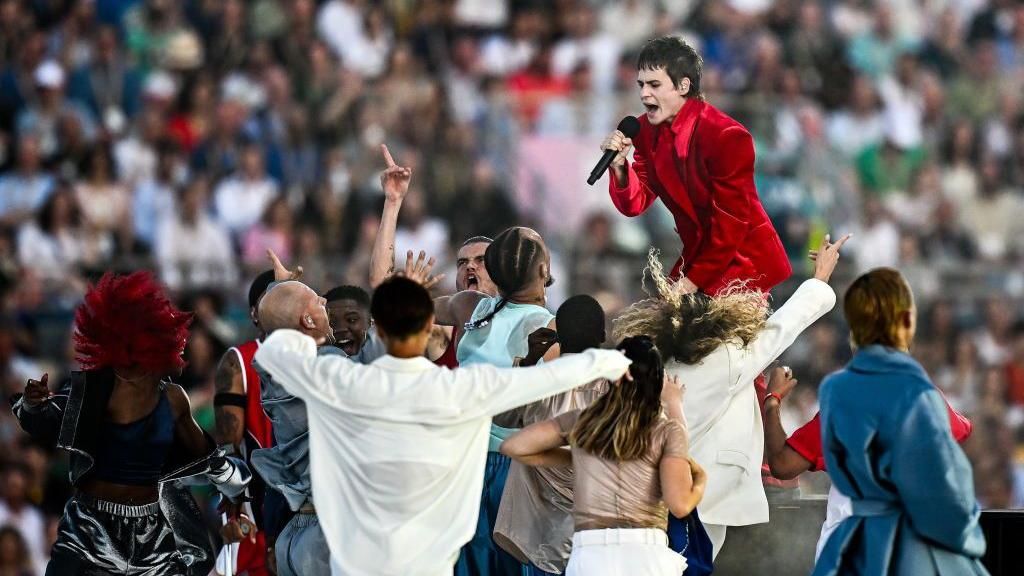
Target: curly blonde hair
[{"x": 688, "y": 327}]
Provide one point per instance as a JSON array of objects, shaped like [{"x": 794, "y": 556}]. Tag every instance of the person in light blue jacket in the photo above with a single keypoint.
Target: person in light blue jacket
[{"x": 888, "y": 447}]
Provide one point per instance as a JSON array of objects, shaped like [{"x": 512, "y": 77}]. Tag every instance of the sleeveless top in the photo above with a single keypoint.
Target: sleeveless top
[
  {"x": 500, "y": 342},
  {"x": 134, "y": 453},
  {"x": 448, "y": 359},
  {"x": 257, "y": 425}
]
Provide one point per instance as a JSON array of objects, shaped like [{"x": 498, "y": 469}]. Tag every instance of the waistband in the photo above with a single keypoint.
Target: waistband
[
  {"x": 616, "y": 536},
  {"x": 868, "y": 508},
  {"x": 303, "y": 520},
  {"x": 117, "y": 509}
]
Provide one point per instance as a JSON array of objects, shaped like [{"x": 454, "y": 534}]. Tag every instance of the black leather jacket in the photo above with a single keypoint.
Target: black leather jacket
[{"x": 72, "y": 419}]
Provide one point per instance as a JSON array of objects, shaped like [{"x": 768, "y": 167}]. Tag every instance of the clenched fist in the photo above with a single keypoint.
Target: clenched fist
[{"x": 37, "y": 391}]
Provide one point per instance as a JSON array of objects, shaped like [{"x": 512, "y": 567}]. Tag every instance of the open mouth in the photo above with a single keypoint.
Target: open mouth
[
  {"x": 651, "y": 109},
  {"x": 472, "y": 282},
  {"x": 348, "y": 345}
]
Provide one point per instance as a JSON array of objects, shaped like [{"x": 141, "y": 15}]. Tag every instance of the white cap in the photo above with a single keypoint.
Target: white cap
[
  {"x": 160, "y": 85},
  {"x": 49, "y": 74}
]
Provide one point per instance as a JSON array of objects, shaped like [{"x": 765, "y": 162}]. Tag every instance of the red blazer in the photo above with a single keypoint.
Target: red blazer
[{"x": 705, "y": 176}]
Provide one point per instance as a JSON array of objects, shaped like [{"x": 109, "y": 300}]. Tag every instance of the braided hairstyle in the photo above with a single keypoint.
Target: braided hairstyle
[{"x": 511, "y": 260}]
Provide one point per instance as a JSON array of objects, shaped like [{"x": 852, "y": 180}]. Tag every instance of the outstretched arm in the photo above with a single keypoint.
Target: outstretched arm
[
  {"x": 785, "y": 462},
  {"x": 395, "y": 182},
  {"x": 538, "y": 444}
]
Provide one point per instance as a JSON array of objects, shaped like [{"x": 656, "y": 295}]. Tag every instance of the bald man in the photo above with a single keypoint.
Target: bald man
[{"x": 300, "y": 548}]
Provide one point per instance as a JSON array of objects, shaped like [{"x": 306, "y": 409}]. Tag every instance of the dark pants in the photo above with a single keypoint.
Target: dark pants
[
  {"x": 97, "y": 538},
  {"x": 481, "y": 556}
]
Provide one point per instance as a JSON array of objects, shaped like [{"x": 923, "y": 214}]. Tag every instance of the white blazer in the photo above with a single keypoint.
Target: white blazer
[{"x": 723, "y": 414}]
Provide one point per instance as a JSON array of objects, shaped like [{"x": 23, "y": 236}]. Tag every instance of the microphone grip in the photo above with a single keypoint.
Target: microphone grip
[{"x": 602, "y": 165}]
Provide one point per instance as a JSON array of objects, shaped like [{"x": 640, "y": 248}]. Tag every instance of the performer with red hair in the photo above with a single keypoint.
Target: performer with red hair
[{"x": 130, "y": 433}]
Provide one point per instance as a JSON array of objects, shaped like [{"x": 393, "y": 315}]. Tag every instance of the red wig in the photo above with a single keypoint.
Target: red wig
[{"x": 128, "y": 321}]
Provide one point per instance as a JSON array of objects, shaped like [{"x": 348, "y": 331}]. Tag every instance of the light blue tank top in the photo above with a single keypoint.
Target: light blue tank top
[{"x": 500, "y": 342}]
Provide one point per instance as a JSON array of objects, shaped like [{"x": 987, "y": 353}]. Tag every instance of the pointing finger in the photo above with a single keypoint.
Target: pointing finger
[
  {"x": 387, "y": 155},
  {"x": 842, "y": 241}
]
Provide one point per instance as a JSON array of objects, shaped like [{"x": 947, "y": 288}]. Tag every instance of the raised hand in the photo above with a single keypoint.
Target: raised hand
[
  {"x": 538, "y": 344},
  {"x": 419, "y": 270},
  {"x": 280, "y": 272},
  {"x": 827, "y": 256},
  {"x": 394, "y": 179},
  {"x": 781, "y": 381},
  {"x": 672, "y": 390},
  {"x": 618, "y": 142},
  {"x": 37, "y": 391}
]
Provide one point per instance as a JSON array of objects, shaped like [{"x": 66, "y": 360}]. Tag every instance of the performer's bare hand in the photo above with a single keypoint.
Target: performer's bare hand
[
  {"x": 672, "y": 390},
  {"x": 781, "y": 381},
  {"x": 394, "y": 179},
  {"x": 620, "y": 143},
  {"x": 538, "y": 343},
  {"x": 280, "y": 272},
  {"x": 238, "y": 529},
  {"x": 37, "y": 391},
  {"x": 827, "y": 256},
  {"x": 419, "y": 270}
]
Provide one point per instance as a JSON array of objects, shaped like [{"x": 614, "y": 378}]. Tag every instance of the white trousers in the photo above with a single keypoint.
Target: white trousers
[
  {"x": 623, "y": 552},
  {"x": 716, "y": 532}
]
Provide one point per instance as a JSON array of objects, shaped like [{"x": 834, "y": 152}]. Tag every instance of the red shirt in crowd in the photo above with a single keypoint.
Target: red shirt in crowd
[{"x": 806, "y": 440}]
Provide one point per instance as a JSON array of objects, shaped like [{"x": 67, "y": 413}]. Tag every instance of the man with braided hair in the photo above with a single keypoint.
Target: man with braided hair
[{"x": 130, "y": 433}]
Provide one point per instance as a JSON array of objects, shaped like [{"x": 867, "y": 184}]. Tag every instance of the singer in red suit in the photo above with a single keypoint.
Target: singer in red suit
[{"x": 700, "y": 163}]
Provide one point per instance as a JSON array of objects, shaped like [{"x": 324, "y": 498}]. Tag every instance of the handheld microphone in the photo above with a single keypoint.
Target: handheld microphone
[{"x": 628, "y": 126}]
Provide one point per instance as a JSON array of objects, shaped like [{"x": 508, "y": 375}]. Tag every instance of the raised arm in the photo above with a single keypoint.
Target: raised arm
[
  {"x": 812, "y": 300},
  {"x": 784, "y": 461},
  {"x": 395, "y": 182},
  {"x": 40, "y": 412}
]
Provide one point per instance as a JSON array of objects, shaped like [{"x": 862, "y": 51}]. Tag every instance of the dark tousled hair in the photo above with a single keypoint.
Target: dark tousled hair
[
  {"x": 510, "y": 260},
  {"x": 401, "y": 307},
  {"x": 348, "y": 292},
  {"x": 678, "y": 58}
]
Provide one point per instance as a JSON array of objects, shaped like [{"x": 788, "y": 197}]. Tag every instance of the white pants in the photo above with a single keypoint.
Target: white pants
[
  {"x": 716, "y": 532},
  {"x": 623, "y": 552}
]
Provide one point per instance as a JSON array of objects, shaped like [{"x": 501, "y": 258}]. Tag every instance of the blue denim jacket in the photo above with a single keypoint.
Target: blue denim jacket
[{"x": 285, "y": 466}]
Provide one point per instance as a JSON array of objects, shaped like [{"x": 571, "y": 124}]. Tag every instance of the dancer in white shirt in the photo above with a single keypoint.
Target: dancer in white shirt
[
  {"x": 718, "y": 345},
  {"x": 396, "y": 446}
]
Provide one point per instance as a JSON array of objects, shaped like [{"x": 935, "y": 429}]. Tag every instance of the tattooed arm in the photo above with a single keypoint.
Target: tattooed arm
[{"x": 230, "y": 419}]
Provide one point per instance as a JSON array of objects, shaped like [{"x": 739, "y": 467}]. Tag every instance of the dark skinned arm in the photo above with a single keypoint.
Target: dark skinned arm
[{"x": 230, "y": 420}]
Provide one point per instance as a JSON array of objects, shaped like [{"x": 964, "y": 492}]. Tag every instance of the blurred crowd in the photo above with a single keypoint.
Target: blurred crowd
[{"x": 190, "y": 136}]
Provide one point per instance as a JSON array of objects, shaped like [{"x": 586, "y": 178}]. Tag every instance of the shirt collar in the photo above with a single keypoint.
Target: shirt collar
[
  {"x": 689, "y": 109},
  {"x": 418, "y": 364}
]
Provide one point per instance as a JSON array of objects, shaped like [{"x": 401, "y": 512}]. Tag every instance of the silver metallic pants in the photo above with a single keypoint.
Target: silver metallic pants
[{"x": 99, "y": 538}]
